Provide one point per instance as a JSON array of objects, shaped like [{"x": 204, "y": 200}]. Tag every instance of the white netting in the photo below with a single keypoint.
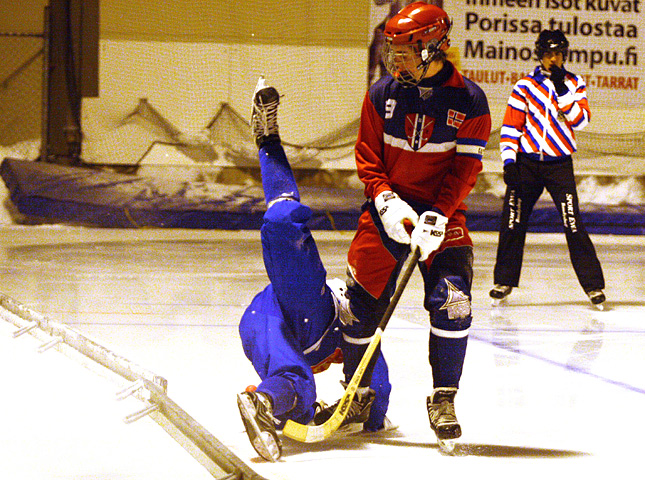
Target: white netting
[
  {"x": 595, "y": 144},
  {"x": 176, "y": 80},
  {"x": 21, "y": 72}
]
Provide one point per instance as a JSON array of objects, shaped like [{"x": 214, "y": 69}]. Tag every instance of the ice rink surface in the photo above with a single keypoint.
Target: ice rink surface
[{"x": 552, "y": 387}]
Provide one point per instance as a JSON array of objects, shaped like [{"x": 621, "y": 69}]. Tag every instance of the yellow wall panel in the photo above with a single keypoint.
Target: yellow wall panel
[{"x": 295, "y": 22}]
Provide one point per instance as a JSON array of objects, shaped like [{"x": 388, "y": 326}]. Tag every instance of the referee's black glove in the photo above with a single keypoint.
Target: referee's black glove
[
  {"x": 557, "y": 77},
  {"x": 512, "y": 176}
]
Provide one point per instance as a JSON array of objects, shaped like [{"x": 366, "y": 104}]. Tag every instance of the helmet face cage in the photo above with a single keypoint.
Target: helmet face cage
[
  {"x": 404, "y": 63},
  {"x": 551, "y": 41}
]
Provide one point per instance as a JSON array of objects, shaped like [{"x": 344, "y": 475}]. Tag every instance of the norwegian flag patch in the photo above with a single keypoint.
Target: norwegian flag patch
[{"x": 455, "y": 118}]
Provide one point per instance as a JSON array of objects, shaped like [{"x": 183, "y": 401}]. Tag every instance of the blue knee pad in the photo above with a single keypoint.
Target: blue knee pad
[{"x": 449, "y": 304}]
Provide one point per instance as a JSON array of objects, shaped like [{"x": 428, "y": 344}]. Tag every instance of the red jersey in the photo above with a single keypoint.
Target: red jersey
[{"x": 424, "y": 143}]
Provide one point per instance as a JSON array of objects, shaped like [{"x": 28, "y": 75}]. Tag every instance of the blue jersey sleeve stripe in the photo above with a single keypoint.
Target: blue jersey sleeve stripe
[{"x": 471, "y": 141}]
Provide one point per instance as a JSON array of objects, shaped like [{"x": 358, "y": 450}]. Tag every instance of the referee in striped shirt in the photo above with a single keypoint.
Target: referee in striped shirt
[{"x": 537, "y": 141}]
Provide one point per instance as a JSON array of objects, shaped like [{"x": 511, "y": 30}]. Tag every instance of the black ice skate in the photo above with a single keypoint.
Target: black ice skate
[
  {"x": 359, "y": 411},
  {"x": 499, "y": 293},
  {"x": 256, "y": 411},
  {"x": 597, "y": 298},
  {"x": 264, "y": 114},
  {"x": 443, "y": 420}
]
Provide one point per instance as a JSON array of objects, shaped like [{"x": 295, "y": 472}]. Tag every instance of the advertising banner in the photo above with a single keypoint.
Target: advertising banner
[
  {"x": 495, "y": 40},
  {"x": 493, "y": 43}
]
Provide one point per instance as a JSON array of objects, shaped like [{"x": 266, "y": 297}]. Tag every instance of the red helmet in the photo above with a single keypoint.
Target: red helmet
[{"x": 425, "y": 29}]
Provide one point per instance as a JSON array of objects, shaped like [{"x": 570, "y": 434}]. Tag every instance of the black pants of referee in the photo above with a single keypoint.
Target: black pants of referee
[{"x": 559, "y": 181}]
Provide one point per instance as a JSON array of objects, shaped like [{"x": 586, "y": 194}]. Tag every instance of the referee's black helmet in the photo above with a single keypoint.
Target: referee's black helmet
[{"x": 551, "y": 41}]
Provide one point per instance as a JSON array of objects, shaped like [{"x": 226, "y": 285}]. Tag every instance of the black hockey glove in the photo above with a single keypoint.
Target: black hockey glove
[
  {"x": 512, "y": 176},
  {"x": 557, "y": 77}
]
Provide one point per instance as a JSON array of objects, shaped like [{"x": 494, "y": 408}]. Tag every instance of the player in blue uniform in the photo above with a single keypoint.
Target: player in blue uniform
[{"x": 291, "y": 329}]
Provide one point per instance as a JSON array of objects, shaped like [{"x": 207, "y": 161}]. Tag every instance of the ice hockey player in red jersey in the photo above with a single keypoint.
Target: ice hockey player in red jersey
[{"x": 422, "y": 133}]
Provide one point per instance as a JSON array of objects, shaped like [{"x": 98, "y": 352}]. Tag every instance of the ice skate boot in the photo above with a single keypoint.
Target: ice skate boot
[
  {"x": 597, "y": 298},
  {"x": 264, "y": 114},
  {"x": 499, "y": 293},
  {"x": 443, "y": 420},
  {"x": 259, "y": 422},
  {"x": 359, "y": 411}
]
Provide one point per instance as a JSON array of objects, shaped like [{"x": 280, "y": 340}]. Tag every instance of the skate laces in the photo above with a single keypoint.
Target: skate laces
[
  {"x": 441, "y": 408},
  {"x": 357, "y": 405},
  {"x": 265, "y": 112},
  {"x": 444, "y": 411}
]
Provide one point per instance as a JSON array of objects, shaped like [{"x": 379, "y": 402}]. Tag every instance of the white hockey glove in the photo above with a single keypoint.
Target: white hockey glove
[
  {"x": 428, "y": 234},
  {"x": 393, "y": 212}
]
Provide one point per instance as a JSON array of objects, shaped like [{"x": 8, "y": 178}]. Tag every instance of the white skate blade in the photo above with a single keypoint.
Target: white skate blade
[
  {"x": 497, "y": 302},
  {"x": 263, "y": 443},
  {"x": 260, "y": 85},
  {"x": 600, "y": 306},
  {"x": 349, "y": 429},
  {"x": 447, "y": 446}
]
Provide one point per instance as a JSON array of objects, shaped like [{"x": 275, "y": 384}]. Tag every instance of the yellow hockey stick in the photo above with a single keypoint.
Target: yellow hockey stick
[{"x": 317, "y": 433}]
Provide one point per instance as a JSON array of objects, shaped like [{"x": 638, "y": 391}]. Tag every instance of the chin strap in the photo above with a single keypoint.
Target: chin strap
[{"x": 429, "y": 53}]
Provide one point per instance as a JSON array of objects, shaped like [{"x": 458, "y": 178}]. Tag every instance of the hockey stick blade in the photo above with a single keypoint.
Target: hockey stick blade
[{"x": 318, "y": 433}]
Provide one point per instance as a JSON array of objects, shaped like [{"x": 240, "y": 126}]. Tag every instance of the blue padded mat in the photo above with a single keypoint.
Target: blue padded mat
[{"x": 52, "y": 193}]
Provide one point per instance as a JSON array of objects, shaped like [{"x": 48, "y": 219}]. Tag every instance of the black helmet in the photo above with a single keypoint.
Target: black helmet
[{"x": 551, "y": 41}]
